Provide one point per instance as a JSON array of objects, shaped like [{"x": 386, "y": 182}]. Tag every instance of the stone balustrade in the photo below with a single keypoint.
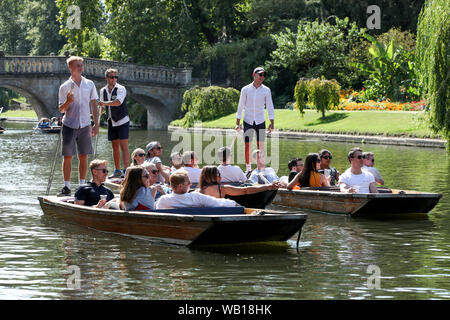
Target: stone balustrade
[{"x": 95, "y": 68}]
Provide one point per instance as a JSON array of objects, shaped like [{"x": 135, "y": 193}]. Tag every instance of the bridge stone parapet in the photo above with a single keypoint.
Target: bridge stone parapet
[{"x": 39, "y": 77}]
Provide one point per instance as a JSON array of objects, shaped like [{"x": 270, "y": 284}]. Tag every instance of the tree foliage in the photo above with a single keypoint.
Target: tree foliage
[
  {"x": 320, "y": 93},
  {"x": 433, "y": 47}
]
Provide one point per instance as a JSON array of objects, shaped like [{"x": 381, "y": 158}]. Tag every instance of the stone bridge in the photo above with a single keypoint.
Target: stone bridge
[{"x": 159, "y": 89}]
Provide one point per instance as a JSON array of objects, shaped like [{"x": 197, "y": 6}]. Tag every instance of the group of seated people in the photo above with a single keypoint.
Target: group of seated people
[
  {"x": 145, "y": 184},
  {"x": 361, "y": 177},
  {"x": 47, "y": 123}
]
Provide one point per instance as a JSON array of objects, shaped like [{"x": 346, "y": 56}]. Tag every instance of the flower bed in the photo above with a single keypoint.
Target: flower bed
[{"x": 350, "y": 101}]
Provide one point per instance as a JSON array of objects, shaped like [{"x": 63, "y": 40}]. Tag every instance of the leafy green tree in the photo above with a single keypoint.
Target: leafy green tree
[
  {"x": 315, "y": 50},
  {"x": 433, "y": 47},
  {"x": 91, "y": 18},
  {"x": 13, "y": 28}
]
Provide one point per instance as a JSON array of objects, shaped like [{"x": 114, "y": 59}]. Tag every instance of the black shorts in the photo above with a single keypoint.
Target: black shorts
[
  {"x": 120, "y": 132},
  {"x": 251, "y": 129}
]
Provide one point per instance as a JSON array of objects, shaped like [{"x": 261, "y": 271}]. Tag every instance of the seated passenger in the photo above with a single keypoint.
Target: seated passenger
[
  {"x": 294, "y": 166},
  {"x": 309, "y": 176},
  {"x": 156, "y": 187},
  {"x": 176, "y": 159},
  {"x": 135, "y": 193},
  {"x": 354, "y": 179},
  {"x": 154, "y": 153},
  {"x": 369, "y": 160},
  {"x": 228, "y": 172},
  {"x": 89, "y": 194},
  {"x": 44, "y": 123},
  {"x": 182, "y": 198},
  {"x": 210, "y": 180},
  {"x": 262, "y": 174},
  {"x": 325, "y": 159},
  {"x": 190, "y": 166},
  {"x": 138, "y": 157}
]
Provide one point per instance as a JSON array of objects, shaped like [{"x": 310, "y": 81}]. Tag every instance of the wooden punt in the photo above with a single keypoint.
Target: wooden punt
[
  {"x": 187, "y": 226},
  {"x": 333, "y": 201}
]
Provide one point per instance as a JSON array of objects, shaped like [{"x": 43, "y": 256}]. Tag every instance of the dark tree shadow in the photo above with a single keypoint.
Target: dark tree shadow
[{"x": 328, "y": 119}]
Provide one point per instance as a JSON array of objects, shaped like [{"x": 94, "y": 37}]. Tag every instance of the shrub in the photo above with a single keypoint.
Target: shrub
[
  {"x": 321, "y": 93},
  {"x": 207, "y": 103}
]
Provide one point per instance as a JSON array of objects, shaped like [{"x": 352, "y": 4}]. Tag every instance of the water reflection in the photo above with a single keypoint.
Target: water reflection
[{"x": 331, "y": 262}]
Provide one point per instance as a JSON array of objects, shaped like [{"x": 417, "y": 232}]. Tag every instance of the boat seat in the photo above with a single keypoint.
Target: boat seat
[{"x": 202, "y": 211}]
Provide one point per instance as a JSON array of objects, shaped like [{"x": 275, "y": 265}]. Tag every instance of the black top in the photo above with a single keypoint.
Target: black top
[
  {"x": 333, "y": 175},
  {"x": 91, "y": 192},
  {"x": 292, "y": 175}
]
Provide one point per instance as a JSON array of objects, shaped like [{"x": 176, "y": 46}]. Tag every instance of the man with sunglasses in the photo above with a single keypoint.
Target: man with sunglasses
[
  {"x": 354, "y": 179},
  {"x": 369, "y": 161},
  {"x": 113, "y": 98},
  {"x": 325, "y": 157},
  {"x": 254, "y": 99},
  {"x": 90, "y": 193}
]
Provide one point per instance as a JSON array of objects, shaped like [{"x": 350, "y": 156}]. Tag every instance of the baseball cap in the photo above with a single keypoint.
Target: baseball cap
[
  {"x": 151, "y": 145},
  {"x": 259, "y": 70}
]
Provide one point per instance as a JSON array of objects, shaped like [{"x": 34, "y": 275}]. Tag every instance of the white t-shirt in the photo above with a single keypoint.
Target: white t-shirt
[
  {"x": 231, "y": 173},
  {"x": 362, "y": 180},
  {"x": 193, "y": 173},
  {"x": 265, "y": 176},
  {"x": 191, "y": 200}
]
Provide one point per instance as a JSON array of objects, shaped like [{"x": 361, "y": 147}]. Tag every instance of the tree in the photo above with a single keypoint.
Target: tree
[
  {"x": 433, "y": 47},
  {"x": 13, "y": 28}
]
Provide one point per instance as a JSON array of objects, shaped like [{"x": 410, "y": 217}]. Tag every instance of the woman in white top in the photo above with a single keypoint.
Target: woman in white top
[{"x": 136, "y": 193}]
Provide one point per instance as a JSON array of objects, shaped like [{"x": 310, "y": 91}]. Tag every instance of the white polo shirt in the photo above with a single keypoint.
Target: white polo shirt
[
  {"x": 253, "y": 100},
  {"x": 231, "y": 173},
  {"x": 79, "y": 113}
]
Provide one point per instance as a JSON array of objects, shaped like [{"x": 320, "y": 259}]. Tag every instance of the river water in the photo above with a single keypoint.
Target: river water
[{"x": 338, "y": 258}]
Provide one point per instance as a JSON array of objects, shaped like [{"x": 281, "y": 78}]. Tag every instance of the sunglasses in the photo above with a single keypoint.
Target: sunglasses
[
  {"x": 261, "y": 74},
  {"x": 146, "y": 176},
  {"x": 103, "y": 170},
  {"x": 327, "y": 157},
  {"x": 158, "y": 148},
  {"x": 154, "y": 171},
  {"x": 141, "y": 154},
  {"x": 113, "y": 77},
  {"x": 359, "y": 157}
]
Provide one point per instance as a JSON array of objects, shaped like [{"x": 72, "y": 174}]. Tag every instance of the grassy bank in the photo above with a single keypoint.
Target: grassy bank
[
  {"x": 387, "y": 123},
  {"x": 19, "y": 114}
]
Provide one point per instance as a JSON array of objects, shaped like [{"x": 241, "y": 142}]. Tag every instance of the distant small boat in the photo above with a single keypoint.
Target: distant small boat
[
  {"x": 330, "y": 199},
  {"x": 187, "y": 226},
  {"x": 52, "y": 129}
]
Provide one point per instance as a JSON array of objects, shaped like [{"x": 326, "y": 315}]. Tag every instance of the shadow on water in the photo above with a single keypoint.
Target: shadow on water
[{"x": 328, "y": 119}]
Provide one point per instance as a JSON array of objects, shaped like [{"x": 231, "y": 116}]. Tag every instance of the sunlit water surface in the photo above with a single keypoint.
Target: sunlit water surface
[{"x": 37, "y": 253}]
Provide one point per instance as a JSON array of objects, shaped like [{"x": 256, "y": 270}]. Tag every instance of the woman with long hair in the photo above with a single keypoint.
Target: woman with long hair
[
  {"x": 210, "y": 184},
  {"x": 309, "y": 176},
  {"x": 135, "y": 193},
  {"x": 138, "y": 157}
]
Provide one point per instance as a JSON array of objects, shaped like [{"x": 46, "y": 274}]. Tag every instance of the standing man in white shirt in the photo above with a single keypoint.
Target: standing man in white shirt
[
  {"x": 255, "y": 97},
  {"x": 77, "y": 100},
  {"x": 113, "y": 97}
]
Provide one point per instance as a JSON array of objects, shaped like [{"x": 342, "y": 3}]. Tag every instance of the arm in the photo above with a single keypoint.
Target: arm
[
  {"x": 324, "y": 181},
  {"x": 163, "y": 171},
  {"x": 242, "y": 101},
  {"x": 345, "y": 189},
  {"x": 94, "y": 110},
  {"x": 237, "y": 191},
  {"x": 293, "y": 182},
  {"x": 270, "y": 111},
  {"x": 373, "y": 187}
]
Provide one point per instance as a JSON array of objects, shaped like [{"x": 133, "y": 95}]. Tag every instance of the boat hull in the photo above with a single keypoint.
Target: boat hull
[
  {"x": 397, "y": 202},
  {"x": 182, "y": 229}
]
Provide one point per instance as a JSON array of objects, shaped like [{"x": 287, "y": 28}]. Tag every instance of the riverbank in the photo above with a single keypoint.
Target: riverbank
[{"x": 377, "y": 127}]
